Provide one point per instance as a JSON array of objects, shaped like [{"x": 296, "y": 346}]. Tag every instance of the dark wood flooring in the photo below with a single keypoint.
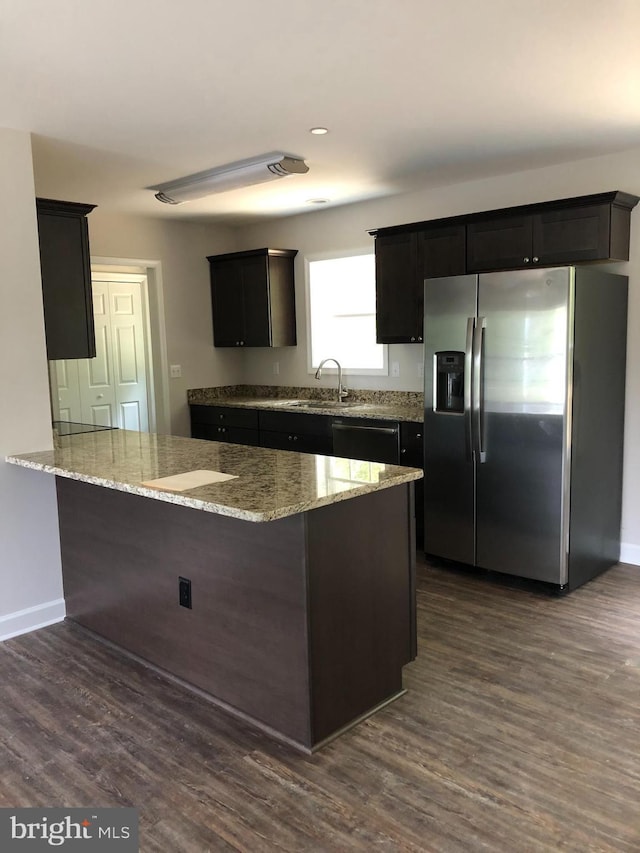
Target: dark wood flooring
[{"x": 520, "y": 732}]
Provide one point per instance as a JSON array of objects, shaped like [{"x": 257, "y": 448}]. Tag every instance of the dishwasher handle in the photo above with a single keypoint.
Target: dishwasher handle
[{"x": 381, "y": 430}]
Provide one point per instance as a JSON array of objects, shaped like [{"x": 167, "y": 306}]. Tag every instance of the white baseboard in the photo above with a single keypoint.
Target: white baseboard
[
  {"x": 630, "y": 554},
  {"x": 32, "y": 618}
]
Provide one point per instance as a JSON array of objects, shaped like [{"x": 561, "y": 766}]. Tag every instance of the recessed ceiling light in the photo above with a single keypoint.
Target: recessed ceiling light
[
  {"x": 317, "y": 201},
  {"x": 319, "y": 131}
]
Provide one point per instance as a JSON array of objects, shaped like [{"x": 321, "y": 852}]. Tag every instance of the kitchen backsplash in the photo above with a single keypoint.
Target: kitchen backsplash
[{"x": 205, "y": 396}]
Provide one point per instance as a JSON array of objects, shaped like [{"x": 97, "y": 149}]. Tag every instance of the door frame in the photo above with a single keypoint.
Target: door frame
[{"x": 149, "y": 273}]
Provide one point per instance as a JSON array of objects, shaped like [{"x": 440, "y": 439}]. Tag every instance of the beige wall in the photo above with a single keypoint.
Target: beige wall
[
  {"x": 346, "y": 229},
  {"x": 182, "y": 249},
  {"x": 30, "y": 576}
]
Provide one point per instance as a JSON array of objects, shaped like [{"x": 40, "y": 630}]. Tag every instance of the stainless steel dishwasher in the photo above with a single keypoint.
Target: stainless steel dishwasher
[{"x": 374, "y": 441}]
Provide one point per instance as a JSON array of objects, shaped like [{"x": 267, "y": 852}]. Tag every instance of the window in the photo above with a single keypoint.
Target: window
[{"x": 342, "y": 314}]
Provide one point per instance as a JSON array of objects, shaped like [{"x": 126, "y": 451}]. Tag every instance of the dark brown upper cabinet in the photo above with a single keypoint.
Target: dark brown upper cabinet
[
  {"x": 592, "y": 228},
  {"x": 567, "y": 231},
  {"x": 66, "y": 278},
  {"x": 403, "y": 260},
  {"x": 253, "y": 298},
  {"x": 398, "y": 297}
]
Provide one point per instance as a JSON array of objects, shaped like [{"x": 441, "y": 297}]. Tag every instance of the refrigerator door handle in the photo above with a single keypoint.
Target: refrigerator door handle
[
  {"x": 477, "y": 404},
  {"x": 467, "y": 390}
]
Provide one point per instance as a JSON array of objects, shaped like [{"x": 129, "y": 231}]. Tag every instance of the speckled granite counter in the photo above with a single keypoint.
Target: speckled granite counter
[
  {"x": 386, "y": 405},
  {"x": 270, "y": 484},
  {"x": 301, "y": 626}
]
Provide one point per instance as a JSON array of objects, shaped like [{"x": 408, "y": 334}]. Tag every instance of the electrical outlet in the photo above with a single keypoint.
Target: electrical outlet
[
  {"x": 184, "y": 592},
  {"x": 276, "y": 367},
  {"x": 175, "y": 371},
  {"x": 395, "y": 368}
]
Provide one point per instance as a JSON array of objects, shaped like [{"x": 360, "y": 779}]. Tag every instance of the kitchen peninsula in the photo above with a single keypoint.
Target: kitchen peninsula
[{"x": 284, "y": 590}]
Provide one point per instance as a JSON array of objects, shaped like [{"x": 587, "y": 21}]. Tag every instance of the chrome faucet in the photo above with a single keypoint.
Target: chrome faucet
[{"x": 342, "y": 390}]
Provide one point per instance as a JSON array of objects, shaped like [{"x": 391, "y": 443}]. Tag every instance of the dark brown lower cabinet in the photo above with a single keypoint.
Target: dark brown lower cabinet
[
  {"x": 304, "y": 433},
  {"x": 301, "y": 625},
  {"x": 298, "y": 441},
  {"x": 231, "y": 434}
]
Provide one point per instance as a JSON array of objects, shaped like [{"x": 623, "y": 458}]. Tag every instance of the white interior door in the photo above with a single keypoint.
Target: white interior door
[
  {"x": 129, "y": 355},
  {"x": 65, "y": 391},
  {"x": 110, "y": 389},
  {"x": 97, "y": 390}
]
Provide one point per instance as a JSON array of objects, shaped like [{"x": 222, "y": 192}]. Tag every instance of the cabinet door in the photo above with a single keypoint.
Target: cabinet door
[
  {"x": 66, "y": 282},
  {"x": 227, "y": 304},
  {"x": 412, "y": 454},
  {"x": 501, "y": 243},
  {"x": 398, "y": 289},
  {"x": 442, "y": 251},
  {"x": 572, "y": 235},
  {"x": 411, "y": 444},
  {"x": 255, "y": 297}
]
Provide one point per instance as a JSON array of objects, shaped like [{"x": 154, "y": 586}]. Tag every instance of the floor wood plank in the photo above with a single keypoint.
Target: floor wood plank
[{"x": 520, "y": 731}]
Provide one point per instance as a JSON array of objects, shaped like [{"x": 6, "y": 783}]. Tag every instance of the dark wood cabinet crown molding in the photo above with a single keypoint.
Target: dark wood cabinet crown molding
[
  {"x": 69, "y": 208},
  {"x": 615, "y": 197}
]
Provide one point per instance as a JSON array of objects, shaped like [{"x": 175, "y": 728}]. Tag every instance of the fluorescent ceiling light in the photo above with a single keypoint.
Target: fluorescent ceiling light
[{"x": 243, "y": 173}]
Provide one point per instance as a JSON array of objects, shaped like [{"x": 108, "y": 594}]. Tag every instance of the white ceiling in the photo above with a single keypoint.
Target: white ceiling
[{"x": 122, "y": 94}]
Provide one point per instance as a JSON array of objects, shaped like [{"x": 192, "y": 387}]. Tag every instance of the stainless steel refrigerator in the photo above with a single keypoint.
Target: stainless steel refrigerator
[{"x": 524, "y": 415}]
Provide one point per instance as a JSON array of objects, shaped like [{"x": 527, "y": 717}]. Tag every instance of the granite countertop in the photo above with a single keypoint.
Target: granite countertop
[
  {"x": 385, "y": 405},
  {"x": 268, "y": 484}
]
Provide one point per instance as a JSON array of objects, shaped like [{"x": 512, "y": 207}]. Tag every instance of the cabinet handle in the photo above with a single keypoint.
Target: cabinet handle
[
  {"x": 535, "y": 260},
  {"x": 418, "y": 435},
  {"x": 412, "y": 339},
  {"x": 241, "y": 343},
  {"x": 403, "y": 450},
  {"x": 420, "y": 338},
  {"x": 221, "y": 417},
  {"x": 526, "y": 260}
]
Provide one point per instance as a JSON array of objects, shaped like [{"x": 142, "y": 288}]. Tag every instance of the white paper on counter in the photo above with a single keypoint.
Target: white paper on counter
[{"x": 189, "y": 480}]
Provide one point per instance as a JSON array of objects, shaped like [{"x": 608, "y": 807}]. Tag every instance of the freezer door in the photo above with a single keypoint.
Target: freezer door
[
  {"x": 450, "y": 310},
  {"x": 521, "y": 492}
]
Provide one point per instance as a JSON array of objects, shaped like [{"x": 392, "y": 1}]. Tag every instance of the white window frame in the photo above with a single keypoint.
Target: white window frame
[{"x": 332, "y": 370}]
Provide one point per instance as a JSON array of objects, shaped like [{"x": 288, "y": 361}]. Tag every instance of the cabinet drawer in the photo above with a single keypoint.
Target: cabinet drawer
[
  {"x": 232, "y": 435},
  {"x": 300, "y": 442},
  {"x": 224, "y": 416},
  {"x": 294, "y": 422}
]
